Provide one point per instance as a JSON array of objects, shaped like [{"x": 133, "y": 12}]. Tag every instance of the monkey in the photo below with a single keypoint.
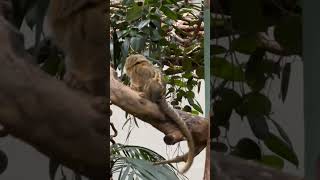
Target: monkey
[
  {"x": 78, "y": 28},
  {"x": 149, "y": 82}
]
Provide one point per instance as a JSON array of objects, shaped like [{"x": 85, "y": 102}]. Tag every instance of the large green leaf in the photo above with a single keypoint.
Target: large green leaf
[
  {"x": 134, "y": 13},
  {"x": 254, "y": 73},
  {"x": 222, "y": 68},
  {"x": 169, "y": 13},
  {"x": 128, "y": 160},
  {"x": 138, "y": 43},
  {"x": 222, "y": 113},
  {"x": 282, "y": 133},
  {"x": 3, "y": 161},
  {"x": 276, "y": 145},
  {"x": 285, "y": 80},
  {"x": 272, "y": 161},
  {"x": 254, "y": 103},
  {"x": 259, "y": 125},
  {"x": 245, "y": 44},
  {"x": 229, "y": 96},
  {"x": 247, "y": 149}
]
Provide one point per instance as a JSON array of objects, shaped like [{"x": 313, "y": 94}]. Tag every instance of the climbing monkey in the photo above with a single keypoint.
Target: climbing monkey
[{"x": 148, "y": 81}]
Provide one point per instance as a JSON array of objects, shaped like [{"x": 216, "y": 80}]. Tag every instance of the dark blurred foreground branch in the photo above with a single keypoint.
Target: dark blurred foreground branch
[
  {"x": 40, "y": 110},
  {"x": 225, "y": 167}
]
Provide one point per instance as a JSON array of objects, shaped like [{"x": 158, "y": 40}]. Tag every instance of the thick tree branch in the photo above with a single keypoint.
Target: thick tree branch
[
  {"x": 43, "y": 112},
  {"x": 129, "y": 100},
  {"x": 232, "y": 168}
]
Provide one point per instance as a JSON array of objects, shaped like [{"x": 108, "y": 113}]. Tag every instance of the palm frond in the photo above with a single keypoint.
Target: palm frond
[{"x": 135, "y": 162}]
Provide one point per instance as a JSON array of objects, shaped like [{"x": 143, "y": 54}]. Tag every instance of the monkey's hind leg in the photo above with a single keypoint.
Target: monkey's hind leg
[
  {"x": 182, "y": 158},
  {"x": 177, "y": 159}
]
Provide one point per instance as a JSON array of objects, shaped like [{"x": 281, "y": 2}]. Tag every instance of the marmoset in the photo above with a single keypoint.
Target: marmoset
[
  {"x": 78, "y": 27},
  {"x": 148, "y": 81}
]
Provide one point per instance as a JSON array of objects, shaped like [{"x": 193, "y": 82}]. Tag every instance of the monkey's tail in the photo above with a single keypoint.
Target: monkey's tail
[{"x": 188, "y": 157}]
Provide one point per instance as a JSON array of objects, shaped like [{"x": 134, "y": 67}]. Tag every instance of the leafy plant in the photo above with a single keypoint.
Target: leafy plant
[
  {"x": 242, "y": 70},
  {"x": 132, "y": 162},
  {"x": 151, "y": 28}
]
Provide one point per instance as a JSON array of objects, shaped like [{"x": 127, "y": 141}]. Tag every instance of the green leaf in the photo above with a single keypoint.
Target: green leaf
[
  {"x": 125, "y": 49},
  {"x": 168, "y": 12},
  {"x": 259, "y": 125},
  {"x": 282, "y": 133},
  {"x": 3, "y": 161},
  {"x": 134, "y": 13},
  {"x": 276, "y": 145},
  {"x": 143, "y": 24},
  {"x": 200, "y": 72},
  {"x": 137, "y": 43},
  {"x": 254, "y": 103},
  {"x": 186, "y": 65},
  {"x": 285, "y": 80},
  {"x": 222, "y": 113},
  {"x": 136, "y": 160},
  {"x": 196, "y": 105},
  {"x": 245, "y": 44},
  {"x": 289, "y": 34},
  {"x": 190, "y": 94},
  {"x": 187, "y": 108},
  {"x": 127, "y": 2},
  {"x": 229, "y": 96},
  {"x": 247, "y": 149},
  {"x": 272, "y": 161},
  {"x": 254, "y": 72},
  {"x": 221, "y": 68},
  {"x": 155, "y": 35}
]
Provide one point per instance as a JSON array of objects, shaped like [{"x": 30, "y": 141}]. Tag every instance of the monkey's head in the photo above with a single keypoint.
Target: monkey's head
[{"x": 132, "y": 61}]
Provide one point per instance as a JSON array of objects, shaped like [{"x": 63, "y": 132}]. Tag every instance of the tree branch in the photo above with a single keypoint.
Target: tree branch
[{"x": 129, "y": 100}]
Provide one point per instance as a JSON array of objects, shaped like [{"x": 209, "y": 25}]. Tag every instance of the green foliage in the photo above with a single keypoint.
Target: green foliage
[
  {"x": 134, "y": 162},
  {"x": 243, "y": 68},
  {"x": 147, "y": 28}
]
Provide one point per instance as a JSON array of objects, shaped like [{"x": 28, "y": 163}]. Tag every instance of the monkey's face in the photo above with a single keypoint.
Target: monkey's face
[{"x": 133, "y": 61}]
